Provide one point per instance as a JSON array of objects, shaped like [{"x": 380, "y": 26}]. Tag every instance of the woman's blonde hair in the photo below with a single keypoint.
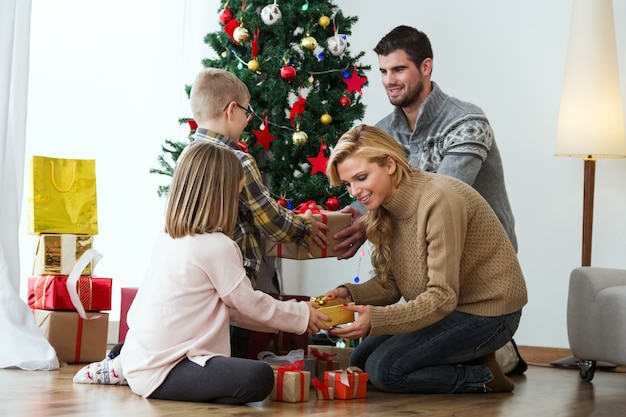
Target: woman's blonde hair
[
  {"x": 376, "y": 146},
  {"x": 204, "y": 193},
  {"x": 212, "y": 90}
]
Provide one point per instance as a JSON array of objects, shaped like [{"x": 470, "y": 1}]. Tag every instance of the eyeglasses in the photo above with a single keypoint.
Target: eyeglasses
[{"x": 249, "y": 111}]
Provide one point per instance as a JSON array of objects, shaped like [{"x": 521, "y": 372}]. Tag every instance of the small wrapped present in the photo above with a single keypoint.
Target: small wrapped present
[
  {"x": 291, "y": 383},
  {"x": 335, "y": 220},
  {"x": 128, "y": 295},
  {"x": 49, "y": 292},
  {"x": 334, "y": 308},
  {"x": 349, "y": 383},
  {"x": 335, "y": 354},
  {"x": 323, "y": 390},
  {"x": 276, "y": 361},
  {"x": 323, "y": 362},
  {"x": 56, "y": 254},
  {"x": 338, "y": 314},
  {"x": 73, "y": 338}
]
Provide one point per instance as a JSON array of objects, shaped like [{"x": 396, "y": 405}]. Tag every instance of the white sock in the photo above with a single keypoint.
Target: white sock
[{"x": 107, "y": 371}]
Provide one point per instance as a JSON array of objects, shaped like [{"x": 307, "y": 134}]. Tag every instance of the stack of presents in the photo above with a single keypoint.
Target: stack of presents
[
  {"x": 299, "y": 367},
  {"x": 67, "y": 300}
]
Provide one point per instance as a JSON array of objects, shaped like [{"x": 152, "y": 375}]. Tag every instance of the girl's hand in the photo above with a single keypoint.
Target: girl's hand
[{"x": 316, "y": 318}]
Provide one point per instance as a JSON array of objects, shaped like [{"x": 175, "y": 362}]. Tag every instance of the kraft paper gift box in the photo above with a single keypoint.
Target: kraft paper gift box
[
  {"x": 335, "y": 354},
  {"x": 73, "y": 338},
  {"x": 49, "y": 292},
  {"x": 323, "y": 390},
  {"x": 291, "y": 384},
  {"x": 335, "y": 220},
  {"x": 349, "y": 383},
  {"x": 56, "y": 254},
  {"x": 128, "y": 295}
]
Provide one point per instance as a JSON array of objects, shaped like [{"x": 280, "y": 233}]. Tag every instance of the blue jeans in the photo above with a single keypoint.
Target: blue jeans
[{"x": 436, "y": 359}]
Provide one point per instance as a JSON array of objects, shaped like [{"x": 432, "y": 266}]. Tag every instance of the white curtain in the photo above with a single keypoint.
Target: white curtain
[{"x": 23, "y": 345}]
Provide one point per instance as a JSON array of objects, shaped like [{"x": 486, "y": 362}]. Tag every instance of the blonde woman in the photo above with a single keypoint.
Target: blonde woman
[
  {"x": 178, "y": 344},
  {"x": 438, "y": 245}
]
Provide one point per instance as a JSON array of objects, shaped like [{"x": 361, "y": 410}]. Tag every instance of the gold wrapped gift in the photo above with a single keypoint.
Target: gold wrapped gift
[
  {"x": 338, "y": 314},
  {"x": 335, "y": 220},
  {"x": 57, "y": 254}
]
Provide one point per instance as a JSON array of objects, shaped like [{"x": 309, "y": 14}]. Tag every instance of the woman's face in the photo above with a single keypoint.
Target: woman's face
[{"x": 371, "y": 184}]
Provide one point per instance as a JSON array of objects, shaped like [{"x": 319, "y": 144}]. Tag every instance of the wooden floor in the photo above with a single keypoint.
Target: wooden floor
[{"x": 542, "y": 391}]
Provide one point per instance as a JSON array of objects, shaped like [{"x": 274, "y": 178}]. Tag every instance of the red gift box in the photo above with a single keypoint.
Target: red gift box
[
  {"x": 280, "y": 343},
  {"x": 349, "y": 383},
  {"x": 128, "y": 295},
  {"x": 49, "y": 292}
]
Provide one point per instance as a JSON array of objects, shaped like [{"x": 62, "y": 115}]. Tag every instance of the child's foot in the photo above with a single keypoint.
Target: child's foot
[
  {"x": 107, "y": 371},
  {"x": 499, "y": 383}
]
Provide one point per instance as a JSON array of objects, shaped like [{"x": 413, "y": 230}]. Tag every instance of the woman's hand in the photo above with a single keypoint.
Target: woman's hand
[{"x": 359, "y": 328}]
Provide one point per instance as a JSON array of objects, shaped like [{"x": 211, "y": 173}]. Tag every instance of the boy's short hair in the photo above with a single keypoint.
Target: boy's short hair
[{"x": 212, "y": 90}]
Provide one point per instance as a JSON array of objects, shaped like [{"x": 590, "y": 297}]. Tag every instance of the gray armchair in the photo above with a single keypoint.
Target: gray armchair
[{"x": 596, "y": 317}]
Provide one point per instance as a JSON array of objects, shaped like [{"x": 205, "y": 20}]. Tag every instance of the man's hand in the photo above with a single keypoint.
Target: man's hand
[{"x": 352, "y": 237}]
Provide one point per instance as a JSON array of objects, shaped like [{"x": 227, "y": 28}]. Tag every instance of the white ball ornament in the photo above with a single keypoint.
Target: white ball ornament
[
  {"x": 271, "y": 14},
  {"x": 337, "y": 44}
]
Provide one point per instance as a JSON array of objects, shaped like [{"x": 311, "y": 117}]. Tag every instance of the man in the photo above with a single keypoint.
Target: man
[{"x": 439, "y": 133}]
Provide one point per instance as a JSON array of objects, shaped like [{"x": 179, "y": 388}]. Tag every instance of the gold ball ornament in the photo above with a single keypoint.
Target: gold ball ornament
[
  {"x": 241, "y": 34},
  {"x": 326, "y": 119},
  {"x": 299, "y": 138},
  {"x": 253, "y": 65},
  {"x": 323, "y": 21},
  {"x": 309, "y": 43}
]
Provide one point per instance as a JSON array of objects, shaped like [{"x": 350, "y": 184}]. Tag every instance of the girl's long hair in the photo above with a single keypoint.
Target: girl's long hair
[{"x": 204, "y": 192}]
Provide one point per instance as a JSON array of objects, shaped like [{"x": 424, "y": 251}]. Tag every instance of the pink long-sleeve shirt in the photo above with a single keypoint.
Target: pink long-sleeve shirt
[{"x": 194, "y": 288}]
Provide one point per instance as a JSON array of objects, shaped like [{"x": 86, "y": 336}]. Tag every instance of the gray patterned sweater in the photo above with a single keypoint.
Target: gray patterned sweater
[{"x": 454, "y": 138}]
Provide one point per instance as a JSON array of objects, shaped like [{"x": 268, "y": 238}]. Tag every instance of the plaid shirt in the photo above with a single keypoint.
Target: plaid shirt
[{"x": 258, "y": 211}]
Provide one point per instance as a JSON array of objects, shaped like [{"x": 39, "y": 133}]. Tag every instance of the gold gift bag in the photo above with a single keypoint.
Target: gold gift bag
[{"x": 62, "y": 196}]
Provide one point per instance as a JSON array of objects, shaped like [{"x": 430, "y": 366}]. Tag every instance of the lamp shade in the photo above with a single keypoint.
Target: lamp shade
[{"x": 591, "y": 122}]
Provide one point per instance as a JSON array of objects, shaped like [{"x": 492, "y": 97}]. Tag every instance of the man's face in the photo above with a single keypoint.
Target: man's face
[{"x": 403, "y": 81}]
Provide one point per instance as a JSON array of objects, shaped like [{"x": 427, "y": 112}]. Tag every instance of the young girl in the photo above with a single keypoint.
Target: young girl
[
  {"x": 178, "y": 345},
  {"x": 438, "y": 244}
]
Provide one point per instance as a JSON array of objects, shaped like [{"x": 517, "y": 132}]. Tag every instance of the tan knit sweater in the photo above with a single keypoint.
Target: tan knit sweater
[{"x": 449, "y": 252}]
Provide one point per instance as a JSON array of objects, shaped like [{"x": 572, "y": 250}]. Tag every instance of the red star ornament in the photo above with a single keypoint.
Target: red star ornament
[
  {"x": 264, "y": 137},
  {"x": 354, "y": 82},
  {"x": 319, "y": 163}
]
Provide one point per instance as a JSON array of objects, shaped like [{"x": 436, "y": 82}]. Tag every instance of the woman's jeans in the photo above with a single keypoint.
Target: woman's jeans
[{"x": 436, "y": 359}]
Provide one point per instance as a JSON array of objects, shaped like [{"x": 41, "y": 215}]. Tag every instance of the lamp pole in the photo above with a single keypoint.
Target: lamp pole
[{"x": 588, "y": 196}]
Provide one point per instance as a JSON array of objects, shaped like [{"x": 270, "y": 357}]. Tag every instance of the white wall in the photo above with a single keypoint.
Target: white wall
[{"x": 107, "y": 82}]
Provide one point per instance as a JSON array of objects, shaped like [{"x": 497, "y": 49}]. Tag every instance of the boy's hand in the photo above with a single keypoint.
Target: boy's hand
[{"x": 317, "y": 230}]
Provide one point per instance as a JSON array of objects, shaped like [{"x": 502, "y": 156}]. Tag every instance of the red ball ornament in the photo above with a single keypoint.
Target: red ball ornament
[
  {"x": 332, "y": 203},
  {"x": 225, "y": 16},
  {"x": 288, "y": 72},
  {"x": 344, "y": 101},
  {"x": 282, "y": 202}
]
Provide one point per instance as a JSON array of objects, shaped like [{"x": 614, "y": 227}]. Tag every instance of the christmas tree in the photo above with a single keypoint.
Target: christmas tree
[{"x": 305, "y": 87}]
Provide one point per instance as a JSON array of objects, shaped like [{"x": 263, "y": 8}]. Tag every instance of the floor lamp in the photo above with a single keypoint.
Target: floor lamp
[{"x": 591, "y": 122}]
